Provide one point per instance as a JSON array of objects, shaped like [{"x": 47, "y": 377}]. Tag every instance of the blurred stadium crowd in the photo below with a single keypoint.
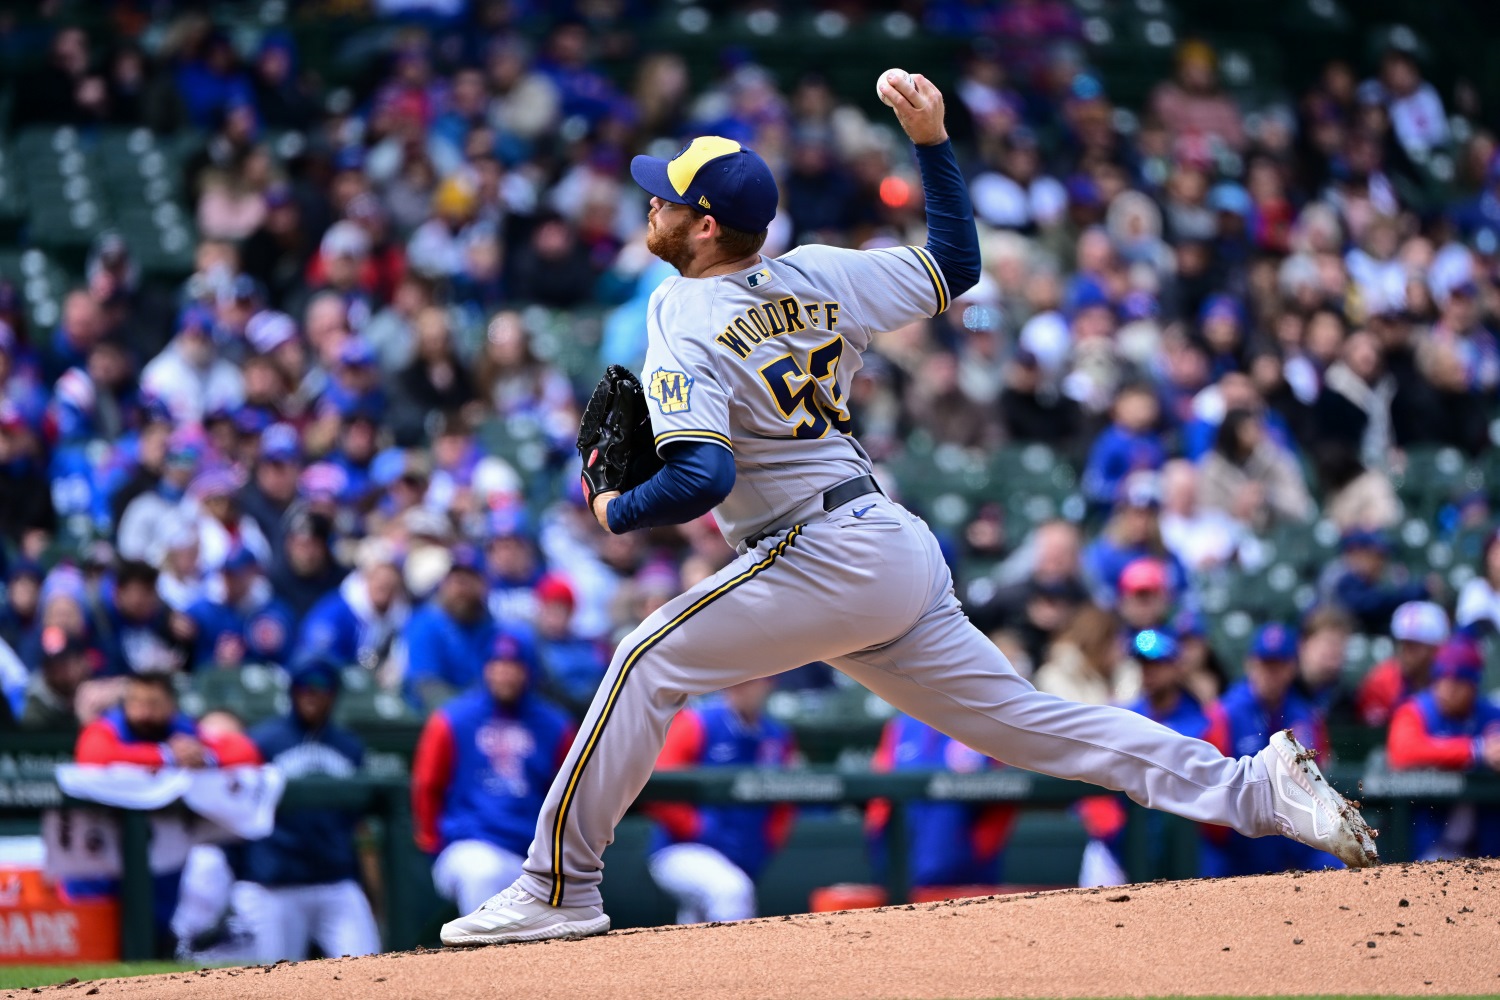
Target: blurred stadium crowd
[{"x": 290, "y": 373}]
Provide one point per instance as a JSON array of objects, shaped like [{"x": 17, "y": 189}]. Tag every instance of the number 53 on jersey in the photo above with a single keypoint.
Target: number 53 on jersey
[{"x": 795, "y": 386}]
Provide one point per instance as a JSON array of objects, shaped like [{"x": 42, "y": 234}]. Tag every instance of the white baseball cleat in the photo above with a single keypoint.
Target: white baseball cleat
[
  {"x": 1310, "y": 810},
  {"x": 515, "y": 915}
]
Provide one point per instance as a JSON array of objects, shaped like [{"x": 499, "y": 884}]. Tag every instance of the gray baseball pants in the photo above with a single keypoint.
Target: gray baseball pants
[{"x": 872, "y": 596}]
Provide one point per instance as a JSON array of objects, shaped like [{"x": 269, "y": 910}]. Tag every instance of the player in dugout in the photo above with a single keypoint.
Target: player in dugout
[
  {"x": 1166, "y": 698},
  {"x": 148, "y": 730},
  {"x": 1264, "y": 702},
  {"x": 1449, "y": 727},
  {"x": 707, "y": 857},
  {"x": 301, "y": 885},
  {"x": 948, "y": 843},
  {"x": 482, "y": 766}
]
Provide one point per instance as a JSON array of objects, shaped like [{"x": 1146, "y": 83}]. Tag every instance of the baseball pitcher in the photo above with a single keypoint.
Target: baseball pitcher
[{"x": 746, "y": 384}]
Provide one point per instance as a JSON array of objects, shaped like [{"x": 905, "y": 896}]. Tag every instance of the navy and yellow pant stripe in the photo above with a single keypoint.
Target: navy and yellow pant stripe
[{"x": 631, "y": 660}]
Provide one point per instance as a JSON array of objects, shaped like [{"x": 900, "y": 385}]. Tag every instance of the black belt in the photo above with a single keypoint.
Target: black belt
[
  {"x": 849, "y": 489},
  {"x": 833, "y": 498}
]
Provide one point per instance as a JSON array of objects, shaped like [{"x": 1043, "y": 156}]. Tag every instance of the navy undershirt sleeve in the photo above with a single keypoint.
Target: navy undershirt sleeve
[
  {"x": 951, "y": 237},
  {"x": 696, "y": 478}
]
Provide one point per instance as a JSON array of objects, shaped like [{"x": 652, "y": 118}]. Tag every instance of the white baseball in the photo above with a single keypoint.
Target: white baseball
[{"x": 891, "y": 77}]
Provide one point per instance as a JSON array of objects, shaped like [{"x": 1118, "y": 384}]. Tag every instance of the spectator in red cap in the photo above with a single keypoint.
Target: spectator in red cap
[
  {"x": 1449, "y": 727},
  {"x": 571, "y": 666},
  {"x": 1145, "y": 599}
]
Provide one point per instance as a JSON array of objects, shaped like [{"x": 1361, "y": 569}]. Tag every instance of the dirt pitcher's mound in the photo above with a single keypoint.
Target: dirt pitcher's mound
[{"x": 1411, "y": 929}]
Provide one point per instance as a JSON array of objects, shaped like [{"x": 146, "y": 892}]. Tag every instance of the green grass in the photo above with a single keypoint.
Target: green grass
[{"x": 26, "y": 976}]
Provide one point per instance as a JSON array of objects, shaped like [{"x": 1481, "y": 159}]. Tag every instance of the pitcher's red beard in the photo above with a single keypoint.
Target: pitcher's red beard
[{"x": 671, "y": 245}]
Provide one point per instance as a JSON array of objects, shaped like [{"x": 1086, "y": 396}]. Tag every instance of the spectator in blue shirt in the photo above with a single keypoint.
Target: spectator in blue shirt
[
  {"x": 1129, "y": 444},
  {"x": 240, "y": 621},
  {"x": 143, "y": 636},
  {"x": 1222, "y": 324},
  {"x": 212, "y": 83},
  {"x": 1359, "y": 583},
  {"x": 512, "y": 566},
  {"x": 359, "y": 425},
  {"x": 355, "y": 386},
  {"x": 449, "y": 637},
  {"x": 1133, "y": 532},
  {"x": 359, "y": 622}
]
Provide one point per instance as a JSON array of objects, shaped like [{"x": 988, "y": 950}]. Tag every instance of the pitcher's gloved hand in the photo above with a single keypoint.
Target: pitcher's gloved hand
[{"x": 614, "y": 437}]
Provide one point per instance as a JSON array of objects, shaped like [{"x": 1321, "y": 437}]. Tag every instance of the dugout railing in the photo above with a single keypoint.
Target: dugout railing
[{"x": 1155, "y": 846}]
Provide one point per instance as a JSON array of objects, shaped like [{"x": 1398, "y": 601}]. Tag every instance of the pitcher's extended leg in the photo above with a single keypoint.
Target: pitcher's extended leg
[{"x": 948, "y": 674}]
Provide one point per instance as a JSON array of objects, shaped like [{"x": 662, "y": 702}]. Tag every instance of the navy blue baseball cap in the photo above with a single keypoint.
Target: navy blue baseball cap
[
  {"x": 196, "y": 319},
  {"x": 1364, "y": 538},
  {"x": 514, "y": 646},
  {"x": 240, "y": 559},
  {"x": 1274, "y": 642},
  {"x": 280, "y": 443},
  {"x": 1153, "y": 645},
  {"x": 716, "y": 176},
  {"x": 507, "y": 522},
  {"x": 319, "y": 672},
  {"x": 356, "y": 353},
  {"x": 154, "y": 410},
  {"x": 466, "y": 557},
  {"x": 252, "y": 419}
]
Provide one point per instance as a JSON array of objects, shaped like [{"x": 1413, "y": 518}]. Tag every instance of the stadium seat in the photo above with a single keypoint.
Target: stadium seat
[{"x": 824, "y": 848}]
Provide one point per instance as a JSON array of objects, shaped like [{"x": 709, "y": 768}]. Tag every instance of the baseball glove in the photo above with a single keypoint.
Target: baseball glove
[{"x": 614, "y": 436}]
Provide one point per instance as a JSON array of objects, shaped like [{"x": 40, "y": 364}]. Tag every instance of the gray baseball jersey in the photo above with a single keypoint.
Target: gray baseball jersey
[{"x": 760, "y": 362}]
